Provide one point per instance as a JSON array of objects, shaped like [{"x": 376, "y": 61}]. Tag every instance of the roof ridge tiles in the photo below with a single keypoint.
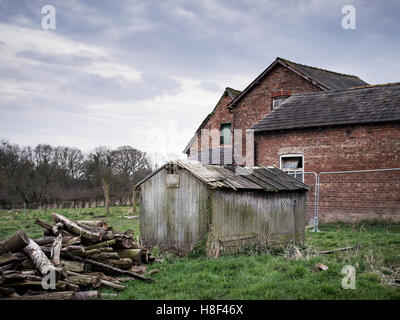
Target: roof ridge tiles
[{"x": 319, "y": 69}]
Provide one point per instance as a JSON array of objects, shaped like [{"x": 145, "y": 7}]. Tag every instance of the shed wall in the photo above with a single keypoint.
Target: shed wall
[
  {"x": 255, "y": 218},
  {"x": 173, "y": 217}
]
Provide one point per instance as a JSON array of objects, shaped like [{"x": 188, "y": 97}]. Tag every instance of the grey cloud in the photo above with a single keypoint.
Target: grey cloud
[
  {"x": 76, "y": 59},
  {"x": 210, "y": 86},
  {"x": 119, "y": 88},
  {"x": 214, "y": 43}
]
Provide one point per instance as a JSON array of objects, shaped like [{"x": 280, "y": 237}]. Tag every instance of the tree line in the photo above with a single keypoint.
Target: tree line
[{"x": 45, "y": 174}]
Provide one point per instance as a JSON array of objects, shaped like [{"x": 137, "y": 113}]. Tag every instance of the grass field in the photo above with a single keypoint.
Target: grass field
[{"x": 273, "y": 275}]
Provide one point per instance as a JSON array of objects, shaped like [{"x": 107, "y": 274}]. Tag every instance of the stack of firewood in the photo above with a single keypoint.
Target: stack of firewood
[{"x": 71, "y": 261}]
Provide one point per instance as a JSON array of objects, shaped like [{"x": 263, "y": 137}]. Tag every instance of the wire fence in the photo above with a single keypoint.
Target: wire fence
[
  {"x": 354, "y": 195},
  {"x": 23, "y": 207}
]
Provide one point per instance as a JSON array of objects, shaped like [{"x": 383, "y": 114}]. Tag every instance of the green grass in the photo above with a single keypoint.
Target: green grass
[
  {"x": 12, "y": 221},
  {"x": 375, "y": 256},
  {"x": 266, "y": 276}
]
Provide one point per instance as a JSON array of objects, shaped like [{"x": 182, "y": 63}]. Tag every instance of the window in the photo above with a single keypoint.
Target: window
[
  {"x": 293, "y": 165},
  {"x": 225, "y": 137},
  {"x": 276, "y": 101}
]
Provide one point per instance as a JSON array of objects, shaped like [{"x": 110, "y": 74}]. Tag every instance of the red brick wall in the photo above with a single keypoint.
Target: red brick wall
[
  {"x": 257, "y": 103},
  {"x": 347, "y": 197},
  {"x": 221, "y": 115}
]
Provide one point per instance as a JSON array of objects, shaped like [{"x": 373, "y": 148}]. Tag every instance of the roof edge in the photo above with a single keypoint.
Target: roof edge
[{"x": 282, "y": 62}]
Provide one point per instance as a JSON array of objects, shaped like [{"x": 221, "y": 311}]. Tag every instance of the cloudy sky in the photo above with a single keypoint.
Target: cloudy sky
[{"x": 145, "y": 73}]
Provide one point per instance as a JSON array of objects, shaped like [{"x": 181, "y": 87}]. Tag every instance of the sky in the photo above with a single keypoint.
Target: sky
[{"x": 146, "y": 73}]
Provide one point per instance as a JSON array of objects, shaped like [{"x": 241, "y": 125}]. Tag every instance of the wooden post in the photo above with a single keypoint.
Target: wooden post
[
  {"x": 106, "y": 188},
  {"x": 133, "y": 202}
]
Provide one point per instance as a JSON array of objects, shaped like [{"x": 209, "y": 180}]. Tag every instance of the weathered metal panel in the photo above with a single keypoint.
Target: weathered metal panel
[
  {"x": 255, "y": 218},
  {"x": 173, "y": 217}
]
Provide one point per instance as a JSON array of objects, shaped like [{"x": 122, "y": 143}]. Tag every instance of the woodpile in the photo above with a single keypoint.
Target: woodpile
[{"x": 72, "y": 260}]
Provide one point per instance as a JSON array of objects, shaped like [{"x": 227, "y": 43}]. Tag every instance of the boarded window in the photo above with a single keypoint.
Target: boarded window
[
  {"x": 294, "y": 166},
  {"x": 276, "y": 102},
  {"x": 225, "y": 137},
  {"x": 172, "y": 180}
]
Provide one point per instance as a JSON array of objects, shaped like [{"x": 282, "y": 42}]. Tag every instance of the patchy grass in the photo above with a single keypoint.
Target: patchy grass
[
  {"x": 267, "y": 276},
  {"x": 275, "y": 275},
  {"x": 12, "y": 221}
]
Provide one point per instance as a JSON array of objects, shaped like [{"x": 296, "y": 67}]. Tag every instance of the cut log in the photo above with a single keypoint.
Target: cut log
[
  {"x": 6, "y": 292},
  {"x": 15, "y": 277},
  {"x": 67, "y": 286},
  {"x": 66, "y": 240},
  {"x": 63, "y": 295},
  {"x": 45, "y": 225},
  {"x": 74, "y": 266},
  {"x": 43, "y": 241},
  {"x": 109, "y": 269},
  {"x": 112, "y": 285},
  {"x": 26, "y": 264},
  {"x": 130, "y": 231},
  {"x": 88, "y": 295},
  {"x": 76, "y": 229},
  {"x": 74, "y": 249},
  {"x": 12, "y": 257},
  {"x": 92, "y": 251},
  {"x": 39, "y": 259},
  {"x": 55, "y": 250},
  {"x": 7, "y": 267},
  {"x": 57, "y": 228},
  {"x": 85, "y": 280},
  {"x": 125, "y": 243},
  {"x": 123, "y": 279},
  {"x": 16, "y": 242},
  {"x": 124, "y": 263},
  {"x": 69, "y": 241},
  {"x": 153, "y": 271},
  {"x": 101, "y": 245},
  {"x": 94, "y": 223},
  {"x": 104, "y": 256},
  {"x": 134, "y": 254},
  {"x": 335, "y": 250},
  {"x": 138, "y": 269}
]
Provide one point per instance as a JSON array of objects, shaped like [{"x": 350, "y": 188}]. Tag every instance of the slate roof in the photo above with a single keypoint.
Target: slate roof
[
  {"x": 233, "y": 94},
  {"x": 329, "y": 79},
  {"x": 369, "y": 104},
  {"x": 269, "y": 179},
  {"x": 324, "y": 79}
]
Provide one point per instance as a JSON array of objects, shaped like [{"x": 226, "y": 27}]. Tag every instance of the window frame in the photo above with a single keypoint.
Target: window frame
[
  {"x": 221, "y": 136},
  {"x": 283, "y": 98},
  {"x": 293, "y": 171}
]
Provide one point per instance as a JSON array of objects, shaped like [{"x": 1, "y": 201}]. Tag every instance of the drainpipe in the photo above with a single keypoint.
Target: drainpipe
[{"x": 316, "y": 199}]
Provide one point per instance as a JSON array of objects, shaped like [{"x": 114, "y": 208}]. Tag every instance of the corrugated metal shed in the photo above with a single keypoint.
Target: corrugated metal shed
[
  {"x": 186, "y": 201},
  {"x": 238, "y": 178}
]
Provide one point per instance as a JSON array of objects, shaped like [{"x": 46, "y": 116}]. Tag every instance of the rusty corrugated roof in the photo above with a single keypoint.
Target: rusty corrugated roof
[{"x": 268, "y": 178}]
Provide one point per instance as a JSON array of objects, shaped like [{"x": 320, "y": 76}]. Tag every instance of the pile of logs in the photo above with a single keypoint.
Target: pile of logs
[{"x": 71, "y": 261}]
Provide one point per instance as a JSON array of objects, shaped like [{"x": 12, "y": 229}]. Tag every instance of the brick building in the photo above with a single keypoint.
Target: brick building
[{"x": 308, "y": 119}]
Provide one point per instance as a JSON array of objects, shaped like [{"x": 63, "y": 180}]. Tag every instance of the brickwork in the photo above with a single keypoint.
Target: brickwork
[
  {"x": 348, "y": 197},
  {"x": 257, "y": 103}
]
